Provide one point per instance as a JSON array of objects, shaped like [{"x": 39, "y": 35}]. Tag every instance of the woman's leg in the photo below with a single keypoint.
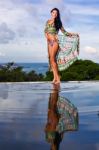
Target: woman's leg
[{"x": 53, "y": 49}]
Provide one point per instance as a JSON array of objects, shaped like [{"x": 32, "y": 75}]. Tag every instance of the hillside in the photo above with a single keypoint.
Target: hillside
[{"x": 80, "y": 70}]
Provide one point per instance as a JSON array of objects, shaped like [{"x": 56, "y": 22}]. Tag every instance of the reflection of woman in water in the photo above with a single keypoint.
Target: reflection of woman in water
[
  {"x": 62, "y": 116},
  {"x": 52, "y": 135}
]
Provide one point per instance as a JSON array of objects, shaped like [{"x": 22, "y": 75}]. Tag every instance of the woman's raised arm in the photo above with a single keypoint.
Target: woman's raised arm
[{"x": 67, "y": 33}]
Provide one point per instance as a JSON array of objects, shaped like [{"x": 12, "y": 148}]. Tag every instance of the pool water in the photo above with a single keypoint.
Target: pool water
[{"x": 28, "y": 111}]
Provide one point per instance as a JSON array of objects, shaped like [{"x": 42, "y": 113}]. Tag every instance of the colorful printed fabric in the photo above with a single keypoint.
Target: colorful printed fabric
[
  {"x": 68, "y": 51},
  {"x": 68, "y": 120},
  {"x": 50, "y": 28},
  {"x": 50, "y": 136}
]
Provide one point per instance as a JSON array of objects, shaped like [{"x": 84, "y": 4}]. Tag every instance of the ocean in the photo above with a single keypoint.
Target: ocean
[
  {"x": 27, "y": 67},
  {"x": 38, "y": 67}
]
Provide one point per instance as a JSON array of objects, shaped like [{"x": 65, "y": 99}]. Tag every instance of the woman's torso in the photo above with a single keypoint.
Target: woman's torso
[
  {"x": 52, "y": 37},
  {"x": 52, "y": 33}
]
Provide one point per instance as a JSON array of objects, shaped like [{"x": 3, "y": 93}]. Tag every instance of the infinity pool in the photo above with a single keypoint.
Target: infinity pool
[{"x": 24, "y": 111}]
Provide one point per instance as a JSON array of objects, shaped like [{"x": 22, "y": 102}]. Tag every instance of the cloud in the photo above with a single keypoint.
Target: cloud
[
  {"x": 2, "y": 54},
  {"x": 55, "y": 1},
  {"x": 22, "y": 27},
  {"x": 83, "y": 10},
  {"x": 90, "y": 50},
  {"x": 6, "y": 34}
]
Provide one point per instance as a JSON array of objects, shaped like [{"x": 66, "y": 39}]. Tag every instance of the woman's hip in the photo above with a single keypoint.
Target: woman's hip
[{"x": 52, "y": 42}]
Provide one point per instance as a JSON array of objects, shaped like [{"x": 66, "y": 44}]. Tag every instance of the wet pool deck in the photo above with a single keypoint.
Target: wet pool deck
[{"x": 23, "y": 115}]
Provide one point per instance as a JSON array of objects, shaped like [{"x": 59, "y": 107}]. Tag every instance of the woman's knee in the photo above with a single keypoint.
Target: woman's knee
[
  {"x": 53, "y": 64},
  {"x": 52, "y": 60}
]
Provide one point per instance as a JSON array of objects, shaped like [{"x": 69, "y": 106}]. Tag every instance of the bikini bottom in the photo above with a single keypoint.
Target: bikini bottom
[{"x": 51, "y": 42}]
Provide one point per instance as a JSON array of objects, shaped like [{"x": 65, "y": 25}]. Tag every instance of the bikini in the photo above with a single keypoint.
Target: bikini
[{"x": 50, "y": 28}]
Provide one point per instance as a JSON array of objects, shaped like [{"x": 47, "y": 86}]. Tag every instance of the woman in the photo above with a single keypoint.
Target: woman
[
  {"x": 51, "y": 32},
  {"x": 62, "y": 116},
  {"x": 52, "y": 136}
]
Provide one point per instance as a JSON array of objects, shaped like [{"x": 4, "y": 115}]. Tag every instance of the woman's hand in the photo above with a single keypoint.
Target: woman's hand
[
  {"x": 70, "y": 34},
  {"x": 73, "y": 34}
]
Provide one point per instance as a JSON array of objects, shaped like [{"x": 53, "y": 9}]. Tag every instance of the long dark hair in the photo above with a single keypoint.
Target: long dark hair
[{"x": 58, "y": 23}]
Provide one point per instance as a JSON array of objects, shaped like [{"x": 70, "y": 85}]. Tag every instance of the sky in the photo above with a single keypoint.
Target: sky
[{"x": 22, "y": 24}]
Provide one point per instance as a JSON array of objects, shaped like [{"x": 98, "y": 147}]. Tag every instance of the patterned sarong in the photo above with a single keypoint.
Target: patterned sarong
[
  {"x": 68, "y": 51},
  {"x": 68, "y": 120}
]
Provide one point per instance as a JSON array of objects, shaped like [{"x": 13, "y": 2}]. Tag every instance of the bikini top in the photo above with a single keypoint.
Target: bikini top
[{"x": 50, "y": 28}]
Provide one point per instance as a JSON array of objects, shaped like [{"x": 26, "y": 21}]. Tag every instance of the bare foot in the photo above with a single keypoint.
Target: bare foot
[
  {"x": 54, "y": 80},
  {"x": 58, "y": 80}
]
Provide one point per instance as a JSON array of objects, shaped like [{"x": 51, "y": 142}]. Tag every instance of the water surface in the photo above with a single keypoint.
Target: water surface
[{"x": 24, "y": 115}]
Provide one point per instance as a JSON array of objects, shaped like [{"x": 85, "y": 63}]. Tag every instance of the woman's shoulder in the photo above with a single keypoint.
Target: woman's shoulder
[{"x": 49, "y": 21}]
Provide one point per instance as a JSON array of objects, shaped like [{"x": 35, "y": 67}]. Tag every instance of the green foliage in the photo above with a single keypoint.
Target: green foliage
[
  {"x": 97, "y": 77},
  {"x": 49, "y": 76},
  {"x": 80, "y": 70},
  {"x": 33, "y": 76},
  {"x": 12, "y": 73}
]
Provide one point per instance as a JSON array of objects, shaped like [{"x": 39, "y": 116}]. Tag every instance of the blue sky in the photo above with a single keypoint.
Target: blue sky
[{"x": 22, "y": 25}]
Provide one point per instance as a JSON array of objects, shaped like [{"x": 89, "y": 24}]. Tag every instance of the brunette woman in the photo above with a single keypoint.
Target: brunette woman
[{"x": 53, "y": 25}]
